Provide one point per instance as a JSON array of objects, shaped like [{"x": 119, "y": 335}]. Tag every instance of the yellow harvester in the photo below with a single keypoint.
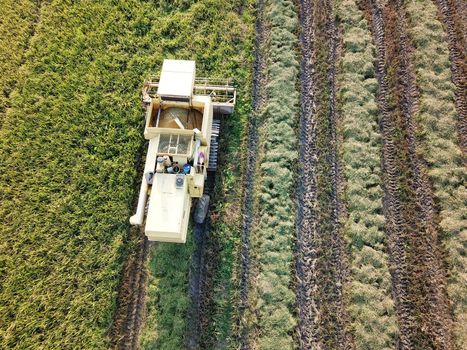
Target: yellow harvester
[{"x": 182, "y": 134}]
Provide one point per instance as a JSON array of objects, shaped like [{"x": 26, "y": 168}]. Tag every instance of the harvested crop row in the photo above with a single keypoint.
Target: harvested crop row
[
  {"x": 225, "y": 238},
  {"x": 258, "y": 103},
  {"x": 418, "y": 276},
  {"x": 271, "y": 296},
  {"x": 67, "y": 149},
  {"x": 452, "y": 13},
  {"x": 221, "y": 287},
  {"x": 437, "y": 121},
  {"x": 370, "y": 301},
  {"x": 168, "y": 300},
  {"x": 204, "y": 262},
  {"x": 215, "y": 35},
  {"x": 17, "y": 26},
  {"x": 214, "y": 288},
  {"x": 320, "y": 259}
]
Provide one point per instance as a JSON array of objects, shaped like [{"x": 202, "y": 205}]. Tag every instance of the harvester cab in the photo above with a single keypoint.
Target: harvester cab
[{"x": 182, "y": 151}]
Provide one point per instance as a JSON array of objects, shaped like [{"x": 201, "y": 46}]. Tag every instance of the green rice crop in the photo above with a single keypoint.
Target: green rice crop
[
  {"x": 68, "y": 148},
  {"x": 18, "y": 19}
]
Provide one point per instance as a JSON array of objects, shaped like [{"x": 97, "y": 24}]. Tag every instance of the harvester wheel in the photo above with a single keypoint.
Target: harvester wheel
[{"x": 201, "y": 209}]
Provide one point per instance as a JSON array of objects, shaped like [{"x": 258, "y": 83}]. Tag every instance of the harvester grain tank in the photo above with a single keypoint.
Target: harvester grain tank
[{"x": 182, "y": 151}]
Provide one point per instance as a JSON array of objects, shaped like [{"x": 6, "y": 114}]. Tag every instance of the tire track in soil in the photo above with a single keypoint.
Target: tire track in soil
[
  {"x": 321, "y": 269},
  {"x": 195, "y": 286},
  {"x": 199, "y": 280},
  {"x": 452, "y": 13},
  {"x": 200, "y": 276},
  {"x": 204, "y": 267},
  {"x": 258, "y": 101},
  {"x": 436, "y": 314},
  {"x": 132, "y": 295},
  {"x": 416, "y": 260},
  {"x": 211, "y": 262}
]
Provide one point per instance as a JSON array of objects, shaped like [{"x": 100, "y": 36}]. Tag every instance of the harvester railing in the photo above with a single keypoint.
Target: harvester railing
[{"x": 221, "y": 90}]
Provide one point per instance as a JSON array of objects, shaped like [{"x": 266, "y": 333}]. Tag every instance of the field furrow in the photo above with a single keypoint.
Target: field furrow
[
  {"x": 452, "y": 13},
  {"x": 412, "y": 226},
  {"x": 195, "y": 288},
  {"x": 202, "y": 301},
  {"x": 370, "y": 300},
  {"x": 392, "y": 204},
  {"x": 437, "y": 124},
  {"x": 199, "y": 277},
  {"x": 436, "y": 318},
  {"x": 321, "y": 261},
  {"x": 248, "y": 219},
  {"x": 131, "y": 299}
]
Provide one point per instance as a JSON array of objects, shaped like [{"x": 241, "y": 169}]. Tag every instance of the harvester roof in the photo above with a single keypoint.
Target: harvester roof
[{"x": 177, "y": 80}]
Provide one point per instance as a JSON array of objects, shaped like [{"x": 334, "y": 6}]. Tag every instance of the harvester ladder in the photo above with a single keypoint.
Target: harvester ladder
[{"x": 214, "y": 146}]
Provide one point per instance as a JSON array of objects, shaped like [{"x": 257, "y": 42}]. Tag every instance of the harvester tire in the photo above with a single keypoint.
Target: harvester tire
[{"x": 201, "y": 209}]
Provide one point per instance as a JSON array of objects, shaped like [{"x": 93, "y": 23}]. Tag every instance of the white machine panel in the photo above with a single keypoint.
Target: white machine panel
[
  {"x": 169, "y": 206},
  {"x": 177, "y": 79}
]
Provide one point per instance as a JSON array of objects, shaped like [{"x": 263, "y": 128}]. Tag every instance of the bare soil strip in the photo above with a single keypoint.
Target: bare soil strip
[
  {"x": 412, "y": 225},
  {"x": 259, "y": 101},
  {"x": 452, "y": 13},
  {"x": 132, "y": 295},
  {"x": 321, "y": 264}
]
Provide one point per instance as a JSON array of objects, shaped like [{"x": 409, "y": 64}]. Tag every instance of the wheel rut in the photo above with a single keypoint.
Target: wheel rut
[
  {"x": 412, "y": 225},
  {"x": 200, "y": 278},
  {"x": 453, "y": 14},
  {"x": 132, "y": 295},
  {"x": 196, "y": 286},
  {"x": 259, "y": 102},
  {"x": 321, "y": 268}
]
